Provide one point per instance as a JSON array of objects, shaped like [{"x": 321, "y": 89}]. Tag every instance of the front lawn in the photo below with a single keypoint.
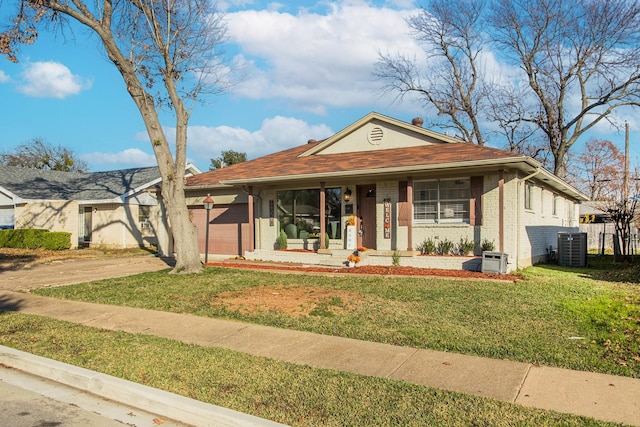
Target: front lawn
[
  {"x": 586, "y": 319},
  {"x": 280, "y": 391}
]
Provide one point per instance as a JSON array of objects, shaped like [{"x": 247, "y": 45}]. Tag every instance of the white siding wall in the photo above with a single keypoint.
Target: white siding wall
[{"x": 539, "y": 227}]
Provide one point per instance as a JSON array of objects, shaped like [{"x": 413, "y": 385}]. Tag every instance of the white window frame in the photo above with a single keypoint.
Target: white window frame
[{"x": 528, "y": 195}]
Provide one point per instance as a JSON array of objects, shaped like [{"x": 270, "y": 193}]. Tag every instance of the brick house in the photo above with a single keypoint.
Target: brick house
[{"x": 403, "y": 184}]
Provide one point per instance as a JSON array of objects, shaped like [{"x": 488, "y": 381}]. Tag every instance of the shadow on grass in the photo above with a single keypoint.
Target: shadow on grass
[{"x": 603, "y": 267}]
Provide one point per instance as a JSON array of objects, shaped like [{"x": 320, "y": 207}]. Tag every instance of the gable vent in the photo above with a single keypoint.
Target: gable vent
[{"x": 376, "y": 135}]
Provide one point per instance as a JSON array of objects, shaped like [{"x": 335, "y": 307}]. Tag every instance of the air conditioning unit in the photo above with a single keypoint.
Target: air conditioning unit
[
  {"x": 572, "y": 249},
  {"x": 494, "y": 262}
]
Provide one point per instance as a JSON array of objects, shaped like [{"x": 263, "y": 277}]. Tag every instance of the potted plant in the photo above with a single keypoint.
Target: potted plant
[{"x": 353, "y": 260}]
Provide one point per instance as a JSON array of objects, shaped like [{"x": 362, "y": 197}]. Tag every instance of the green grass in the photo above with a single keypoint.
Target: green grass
[
  {"x": 283, "y": 392},
  {"x": 578, "y": 318}
]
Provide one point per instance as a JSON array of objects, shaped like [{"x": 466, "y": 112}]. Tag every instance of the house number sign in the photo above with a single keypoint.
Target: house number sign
[
  {"x": 272, "y": 212},
  {"x": 387, "y": 219}
]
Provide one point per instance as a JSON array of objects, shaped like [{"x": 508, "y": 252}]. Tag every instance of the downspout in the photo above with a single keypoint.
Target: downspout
[{"x": 520, "y": 181}]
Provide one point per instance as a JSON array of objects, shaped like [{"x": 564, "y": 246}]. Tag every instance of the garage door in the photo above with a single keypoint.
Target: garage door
[{"x": 228, "y": 229}]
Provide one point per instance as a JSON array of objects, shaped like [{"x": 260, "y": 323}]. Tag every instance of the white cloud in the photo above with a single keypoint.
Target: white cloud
[
  {"x": 318, "y": 60},
  {"x": 51, "y": 80},
  {"x": 205, "y": 143},
  {"x": 4, "y": 77},
  {"x": 276, "y": 134},
  {"x": 129, "y": 158}
]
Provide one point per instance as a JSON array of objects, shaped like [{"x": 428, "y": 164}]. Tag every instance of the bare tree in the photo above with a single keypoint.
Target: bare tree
[
  {"x": 451, "y": 37},
  {"x": 167, "y": 52},
  {"x": 598, "y": 171},
  {"x": 40, "y": 155},
  {"x": 580, "y": 59}
]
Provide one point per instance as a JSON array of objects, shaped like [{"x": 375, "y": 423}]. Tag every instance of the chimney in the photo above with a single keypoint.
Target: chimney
[{"x": 417, "y": 122}]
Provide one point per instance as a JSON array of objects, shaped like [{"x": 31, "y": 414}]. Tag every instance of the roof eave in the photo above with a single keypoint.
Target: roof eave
[{"x": 383, "y": 171}]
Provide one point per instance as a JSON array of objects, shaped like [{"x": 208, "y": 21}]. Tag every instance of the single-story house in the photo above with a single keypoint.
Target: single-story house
[
  {"x": 401, "y": 183},
  {"x": 112, "y": 209}
]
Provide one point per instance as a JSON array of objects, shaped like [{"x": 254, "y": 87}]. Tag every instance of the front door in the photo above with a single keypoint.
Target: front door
[{"x": 367, "y": 215}]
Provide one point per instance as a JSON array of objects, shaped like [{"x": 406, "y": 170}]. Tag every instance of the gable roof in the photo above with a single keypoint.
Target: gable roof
[
  {"x": 311, "y": 162},
  {"x": 24, "y": 184}
]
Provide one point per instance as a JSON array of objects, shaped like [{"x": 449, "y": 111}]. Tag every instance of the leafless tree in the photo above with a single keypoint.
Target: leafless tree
[
  {"x": 40, "y": 155},
  {"x": 580, "y": 59},
  {"x": 598, "y": 171},
  {"x": 168, "y": 54},
  {"x": 450, "y": 35}
]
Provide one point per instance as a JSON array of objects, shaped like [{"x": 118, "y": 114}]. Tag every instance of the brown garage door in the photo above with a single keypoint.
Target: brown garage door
[{"x": 228, "y": 228}]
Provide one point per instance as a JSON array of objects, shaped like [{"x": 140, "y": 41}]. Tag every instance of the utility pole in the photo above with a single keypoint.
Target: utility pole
[{"x": 626, "y": 162}]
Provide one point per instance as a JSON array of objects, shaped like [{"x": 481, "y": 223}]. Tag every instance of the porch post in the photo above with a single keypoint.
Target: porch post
[
  {"x": 410, "y": 219},
  {"x": 323, "y": 218},
  {"x": 501, "y": 211},
  {"x": 252, "y": 245}
]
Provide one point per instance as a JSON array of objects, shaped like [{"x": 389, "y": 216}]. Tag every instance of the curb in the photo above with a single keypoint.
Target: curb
[{"x": 164, "y": 403}]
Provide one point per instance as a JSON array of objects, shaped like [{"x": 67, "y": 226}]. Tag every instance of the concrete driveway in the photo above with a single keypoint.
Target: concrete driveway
[{"x": 66, "y": 272}]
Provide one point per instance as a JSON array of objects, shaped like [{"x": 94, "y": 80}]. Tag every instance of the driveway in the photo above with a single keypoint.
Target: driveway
[{"x": 66, "y": 272}]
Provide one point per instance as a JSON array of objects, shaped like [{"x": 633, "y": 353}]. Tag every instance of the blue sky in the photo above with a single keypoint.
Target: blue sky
[{"x": 309, "y": 66}]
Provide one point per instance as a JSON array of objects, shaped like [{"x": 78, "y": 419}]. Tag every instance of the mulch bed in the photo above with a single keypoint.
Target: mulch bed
[{"x": 367, "y": 269}]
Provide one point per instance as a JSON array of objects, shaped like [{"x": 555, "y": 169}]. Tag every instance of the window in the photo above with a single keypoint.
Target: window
[
  {"x": 528, "y": 195},
  {"x": 299, "y": 212},
  {"x": 144, "y": 212},
  {"x": 554, "y": 208},
  {"x": 439, "y": 201}
]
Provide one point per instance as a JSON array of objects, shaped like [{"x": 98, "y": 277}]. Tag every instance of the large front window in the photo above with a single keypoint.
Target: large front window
[
  {"x": 299, "y": 213},
  {"x": 441, "y": 200}
]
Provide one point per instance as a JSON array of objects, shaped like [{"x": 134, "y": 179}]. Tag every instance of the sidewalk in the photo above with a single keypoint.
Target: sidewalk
[{"x": 604, "y": 397}]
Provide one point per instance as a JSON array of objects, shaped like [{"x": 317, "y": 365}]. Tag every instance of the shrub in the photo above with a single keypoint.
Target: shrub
[
  {"x": 427, "y": 247},
  {"x": 23, "y": 238},
  {"x": 466, "y": 246},
  {"x": 445, "y": 247},
  {"x": 487, "y": 245},
  {"x": 282, "y": 240},
  {"x": 34, "y": 238},
  {"x": 56, "y": 240},
  {"x": 395, "y": 258},
  {"x": 326, "y": 240}
]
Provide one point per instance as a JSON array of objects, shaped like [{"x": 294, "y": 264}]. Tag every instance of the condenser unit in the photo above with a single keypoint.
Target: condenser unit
[{"x": 572, "y": 249}]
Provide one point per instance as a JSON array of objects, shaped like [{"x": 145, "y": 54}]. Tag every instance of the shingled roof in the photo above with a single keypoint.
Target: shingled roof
[
  {"x": 37, "y": 184},
  {"x": 333, "y": 160},
  {"x": 290, "y": 165}
]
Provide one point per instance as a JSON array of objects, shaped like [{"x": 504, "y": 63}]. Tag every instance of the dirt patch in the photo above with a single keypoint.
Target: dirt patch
[{"x": 292, "y": 301}]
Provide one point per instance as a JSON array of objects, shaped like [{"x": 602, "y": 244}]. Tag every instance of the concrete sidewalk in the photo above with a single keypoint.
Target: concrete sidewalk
[{"x": 604, "y": 397}]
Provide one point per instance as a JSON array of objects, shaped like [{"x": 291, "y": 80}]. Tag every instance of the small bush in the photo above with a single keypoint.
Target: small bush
[
  {"x": 466, "y": 246},
  {"x": 395, "y": 258},
  {"x": 56, "y": 240},
  {"x": 487, "y": 245},
  {"x": 282, "y": 240},
  {"x": 427, "y": 247},
  {"x": 23, "y": 238},
  {"x": 445, "y": 247}
]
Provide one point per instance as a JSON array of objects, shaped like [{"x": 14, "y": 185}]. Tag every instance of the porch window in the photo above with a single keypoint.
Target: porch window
[
  {"x": 299, "y": 213},
  {"x": 441, "y": 200}
]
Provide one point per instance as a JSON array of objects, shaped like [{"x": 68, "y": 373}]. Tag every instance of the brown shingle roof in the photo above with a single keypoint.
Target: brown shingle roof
[{"x": 287, "y": 164}]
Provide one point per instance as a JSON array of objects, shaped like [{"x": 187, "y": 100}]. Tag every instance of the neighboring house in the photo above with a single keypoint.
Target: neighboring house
[
  {"x": 600, "y": 228},
  {"x": 403, "y": 183},
  {"x": 113, "y": 209}
]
